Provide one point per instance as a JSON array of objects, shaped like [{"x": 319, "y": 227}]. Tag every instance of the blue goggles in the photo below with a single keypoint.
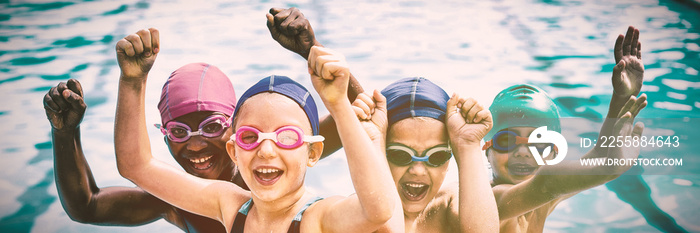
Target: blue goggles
[{"x": 402, "y": 155}]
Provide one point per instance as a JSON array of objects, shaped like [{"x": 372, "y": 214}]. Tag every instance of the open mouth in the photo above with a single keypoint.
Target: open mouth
[
  {"x": 521, "y": 169},
  {"x": 414, "y": 191},
  {"x": 202, "y": 163},
  {"x": 267, "y": 176}
]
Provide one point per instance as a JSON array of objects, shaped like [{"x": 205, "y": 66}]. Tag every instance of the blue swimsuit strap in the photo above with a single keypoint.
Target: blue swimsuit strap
[{"x": 308, "y": 203}]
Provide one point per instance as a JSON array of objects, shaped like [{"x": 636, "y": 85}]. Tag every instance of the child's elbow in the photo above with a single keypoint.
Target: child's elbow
[
  {"x": 126, "y": 170},
  {"x": 382, "y": 213}
]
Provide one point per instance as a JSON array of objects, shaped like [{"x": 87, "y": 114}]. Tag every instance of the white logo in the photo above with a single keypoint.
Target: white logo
[{"x": 541, "y": 135}]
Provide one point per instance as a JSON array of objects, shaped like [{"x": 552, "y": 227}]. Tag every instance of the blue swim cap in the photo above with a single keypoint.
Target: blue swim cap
[
  {"x": 523, "y": 105},
  {"x": 415, "y": 97},
  {"x": 289, "y": 88}
]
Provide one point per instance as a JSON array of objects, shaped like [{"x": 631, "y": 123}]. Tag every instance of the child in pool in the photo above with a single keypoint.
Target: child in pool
[
  {"x": 527, "y": 193},
  {"x": 85, "y": 202},
  {"x": 273, "y": 169},
  {"x": 423, "y": 128}
]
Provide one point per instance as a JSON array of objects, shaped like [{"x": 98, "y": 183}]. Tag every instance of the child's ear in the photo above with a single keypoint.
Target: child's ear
[
  {"x": 315, "y": 151},
  {"x": 231, "y": 149}
]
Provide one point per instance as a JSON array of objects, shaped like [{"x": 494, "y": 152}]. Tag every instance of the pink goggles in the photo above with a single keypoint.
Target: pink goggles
[
  {"x": 210, "y": 127},
  {"x": 287, "y": 137}
]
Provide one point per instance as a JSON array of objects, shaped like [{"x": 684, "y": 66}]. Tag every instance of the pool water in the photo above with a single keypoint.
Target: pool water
[{"x": 472, "y": 48}]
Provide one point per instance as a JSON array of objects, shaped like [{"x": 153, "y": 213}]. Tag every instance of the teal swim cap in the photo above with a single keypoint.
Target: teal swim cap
[{"x": 523, "y": 105}]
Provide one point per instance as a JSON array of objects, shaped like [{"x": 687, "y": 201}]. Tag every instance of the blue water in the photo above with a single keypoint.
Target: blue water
[{"x": 473, "y": 48}]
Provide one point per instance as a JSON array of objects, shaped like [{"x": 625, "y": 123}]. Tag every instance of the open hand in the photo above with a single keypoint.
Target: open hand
[
  {"x": 467, "y": 121},
  {"x": 137, "y": 52},
  {"x": 628, "y": 74},
  {"x": 625, "y": 129},
  {"x": 292, "y": 30},
  {"x": 64, "y": 105},
  {"x": 329, "y": 75}
]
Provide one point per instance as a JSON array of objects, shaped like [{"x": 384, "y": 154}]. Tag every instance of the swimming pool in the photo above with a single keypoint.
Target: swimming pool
[{"x": 473, "y": 48}]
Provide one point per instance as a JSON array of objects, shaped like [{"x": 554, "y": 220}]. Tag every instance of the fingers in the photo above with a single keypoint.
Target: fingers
[
  {"x": 485, "y": 117},
  {"x": 57, "y": 96},
  {"x": 271, "y": 24},
  {"x": 638, "y": 129},
  {"x": 275, "y": 10},
  {"x": 635, "y": 42},
  {"x": 452, "y": 108},
  {"x": 125, "y": 47},
  {"x": 145, "y": 41},
  {"x": 627, "y": 43},
  {"x": 145, "y": 36},
  {"x": 293, "y": 23},
  {"x": 327, "y": 63},
  {"x": 640, "y": 104},
  {"x": 625, "y": 120},
  {"x": 639, "y": 50},
  {"x": 469, "y": 109},
  {"x": 618, "y": 48},
  {"x": 49, "y": 104},
  {"x": 380, "y": 101},
  {"x": 155, "y": 40},
  {"x": 360, "y": 112},
  {"x": 75, "y": 86},
  {"x": 283, "y": 18},
  {"x": 136, "y": 43},
  {"x": 363, "y": 106},
  {"x": 76, "y": 101},
  {"x": 628, "y": 105}
]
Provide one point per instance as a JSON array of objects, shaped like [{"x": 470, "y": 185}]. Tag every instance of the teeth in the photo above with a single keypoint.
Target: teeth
[
  {"x": 201, "y": 160},
  {"x": 415, "y": 185},
  {"x": 267, "y": 170}
]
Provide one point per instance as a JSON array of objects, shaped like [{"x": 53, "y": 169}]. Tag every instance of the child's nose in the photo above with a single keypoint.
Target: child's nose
[
  {"x": 521, "y": 150},
  {"x": 266, "y": 149},
  {"x": 417, "y": 168},
  {"x": 196, "y": 143}
]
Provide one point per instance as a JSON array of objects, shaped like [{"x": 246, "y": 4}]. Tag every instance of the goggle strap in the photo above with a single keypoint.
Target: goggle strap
[
  {"x": 315, "y": 138},
  {"x": 487, "y": 145}
]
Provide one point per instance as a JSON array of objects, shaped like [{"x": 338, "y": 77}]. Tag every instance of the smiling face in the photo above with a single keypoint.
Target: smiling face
[
  {"x": 417, "y": 183},
  {"x": 516, "y": 165},
  {"x": 272, "y": 172},
  {"x": 202, "y": 156}
]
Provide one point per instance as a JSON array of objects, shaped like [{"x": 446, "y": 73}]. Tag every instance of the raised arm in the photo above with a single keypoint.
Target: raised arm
[
  {"x": 372, "y": 112},
  {"x": 628, "y": 74},
  {"x": 291, "y": 29},
  {"x": 467, "y": 123},
  {"x": 136, "y": 54},
  {"x": 82, "y": 200},
  {"x": 374, "y": 202},
  {"x": 556, "y": 182}
]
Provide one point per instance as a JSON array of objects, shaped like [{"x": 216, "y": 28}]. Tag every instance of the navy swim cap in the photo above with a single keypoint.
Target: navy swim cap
[
  {"x": 289, "y": 88},
  {"x": 523, "y": 105},
  {"x": 415, "y": 97}
]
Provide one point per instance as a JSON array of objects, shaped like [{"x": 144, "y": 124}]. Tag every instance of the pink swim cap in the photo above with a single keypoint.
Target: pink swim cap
[{"x": 196, "y": 87}]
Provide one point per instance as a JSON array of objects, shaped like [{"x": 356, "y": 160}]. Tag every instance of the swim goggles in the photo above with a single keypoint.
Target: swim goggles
[
  {"x": 210, "y": 127},
  {"x": 506, "y": 141},
  {"x": 402, "y": 155},
  {"x": 287, "y": 137}
]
